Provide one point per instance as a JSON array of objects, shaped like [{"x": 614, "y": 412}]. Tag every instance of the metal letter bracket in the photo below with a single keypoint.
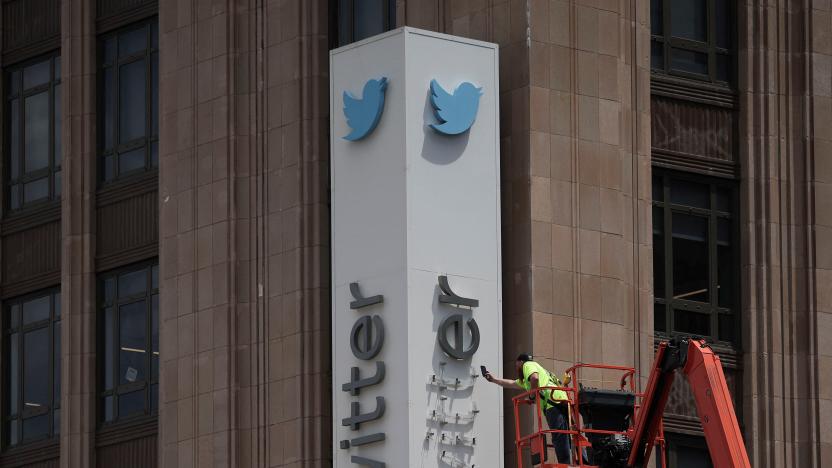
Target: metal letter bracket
[
  {"x": 457, "y": 349},
  {"x": 450, "y": 297}
]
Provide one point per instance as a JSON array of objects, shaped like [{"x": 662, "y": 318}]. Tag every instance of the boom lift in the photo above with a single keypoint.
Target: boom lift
[{"x": 609, "y": 429}]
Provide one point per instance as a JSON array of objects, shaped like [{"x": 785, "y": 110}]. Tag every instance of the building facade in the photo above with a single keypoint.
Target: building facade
[{"x": 666, "y": 169}]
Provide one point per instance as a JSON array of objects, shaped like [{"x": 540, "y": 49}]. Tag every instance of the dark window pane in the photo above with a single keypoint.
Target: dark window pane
[
  {"x": 131, "y": 403},
  {"x": 154, "y": 94},
  {"x": 660, "y": 317},
  {"x": 687, "y": 193},
  {"x": 724, "y": 199},
  {"x": 109, "y": 409},
  {"x": 36, "y": 427},
  {"x": 109, "y": 289},
  {"x": 656, "y": 17},
  {"x": 658, "y": 252},
  {"x": 110, "y": 50},
  {"x": 723, "y": 68},
  {"x": 369, "y": 18},
  {"x": 154, "y": 397},
  {"x": 131, "y": 160},
  {"x": 723, "y": 20},
  {"x": 694, "y": 323},
  {"x": 133, "y": 342},
  {"x": 689, "y": 19},
  {"x": 344, "y": 26},
  {"x": 33, "y": 191},
  {"x": 14, "y": 88},
  {"x": 132, "y": 42},
  {"x": 14, "y": 197},
  {"x": 689, "y": 61},
  {"x": 726, "y": 327},
  {"x": 36, "y": 388},
  {"x": 57, "y": 117},
  {"x": 132, "y": 94},
  {"x": 56, "y": 359},
  {"x": 154, "y": 35},
  {"x": 36, "y": 74},
  {"x": 725, "y": 264},
  {"x": 36, "y": 309},
  {"x": 57, "y": 305},
  {"x": 109, "y": 108},
  {"x": 154, "y": 154},
  {"x": 154, "y": 339},
  {"x": 36, "y": 131},
  {"x": 14, "y": 373},
  {"x": 14, "y": 313},
  {"x": 658, "y": 188},
  {"x": 57, "y": 68},
  {"x": 108, "y": 167},
  {"x": 130, "y": 284},
  {"x": 691, "y": 457},
  {"x": 56, "y": 422},
  {"x": 14, "y": 138},
  {"x": 690, "y": 257},
  {"x": 154, "y": 277},
  {"x": 58, "y": 184},
  {"x": 656, "y": 55},
  {"x": 109, "y": 323}
]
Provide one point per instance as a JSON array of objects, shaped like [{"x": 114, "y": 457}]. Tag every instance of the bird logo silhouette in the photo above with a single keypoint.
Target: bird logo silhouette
[
  {"x": 456, "y": 112},
  {"x": 363, "y": 114}
]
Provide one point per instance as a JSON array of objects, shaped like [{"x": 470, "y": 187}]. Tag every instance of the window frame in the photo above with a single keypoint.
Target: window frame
[
  {"x": 151, "y": 136},
  {"x": 54, "y": 165},
  {"x": 151, "y": 379},
  {"x": 709, "y": 47},
  {"x": 389, "y": 16},
  {"x": 712, "y": 307},
  {"x": 50, "y": 323}
]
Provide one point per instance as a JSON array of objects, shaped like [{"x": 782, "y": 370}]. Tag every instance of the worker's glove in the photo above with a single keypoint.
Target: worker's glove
[{"x": 532, "y": 397}]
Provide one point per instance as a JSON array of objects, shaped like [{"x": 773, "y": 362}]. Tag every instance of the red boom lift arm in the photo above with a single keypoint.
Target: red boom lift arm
[{"x": 713, "y": 402}]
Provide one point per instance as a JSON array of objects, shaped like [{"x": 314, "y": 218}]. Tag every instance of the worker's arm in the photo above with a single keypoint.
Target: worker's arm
[{"x": 505, "y": 383}]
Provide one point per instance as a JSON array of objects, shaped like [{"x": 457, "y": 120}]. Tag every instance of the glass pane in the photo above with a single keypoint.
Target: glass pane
[
  {"x": 656, "y": 16},
  {"x": 56, "y": 422},
  {"x": 109, "y": 289},
  {"x": 131, "y": 403},
  {"x": 130, "y": 161},
  {"x": 154, "y": 154},
  {"x": 36, "y": 309},
  {"x": 58, "y": 184},
  {"x": 57, "y": 305},
  {"x": 658, "y": 188},
  {"x": 14, "y": 137},
  {"x": 723, "y": 199},
  {"x": 110, "y": 50},
  {"x": 133, "y": 342},
  {"x": 14, "y": 373},
  {"x": 56, "y": 359},
  {"x": 109, "y": 351},
  {"x": 154, "y": 35},
  {"x": 14, "y": 87},
  {"x": 132, "y": 42},
  {"x": 726, "y": 271},
  {"x": 369, "y": 18},
  {"x": 15, "y": 315},
  {"x": 659, "y": 317},
  {"x": 57, "y": 117},
  {"x": 132, "y": 94},
  {"x": 36, "y": 427},
  {"x": 14, "y": 196},
  {"x": 723, "y": 68},
  {"x": 658, "y": 252},
  {"x": 109, "y": 106},
  {"x": 57, "y": 68},
  {"x": 154, "y": 277},
  {"x": 154, "y": 94},
  {"x": 344, "y": 26},
  {"x": 154, "y": 339},
  {"x": 691, "y": 322},
  {"x": 108, "y": 167},
  {"x": 726, "y": 327},
  {"x": 36, "y": 354},
  {"x": 656, "y": 55},
  {"x": 690, "y": 257},
  {"x": 130, "y": 284},
  {"x": 689, "y": 19},
  {"x": 689, "y": 61},
  {"x": 33, "y": 191},
  {"x": 36, "y": 74},
  {"x": 687, "y": 193},
  {"x": 722, "y": 17},
  {"x": 36, "y": 131},
  {"x": 691, "y": 457},
  {"x": 108, "y": 409}
]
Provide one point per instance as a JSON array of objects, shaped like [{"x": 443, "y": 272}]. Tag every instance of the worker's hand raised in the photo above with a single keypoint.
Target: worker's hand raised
[{"x": 489, "y": 377}]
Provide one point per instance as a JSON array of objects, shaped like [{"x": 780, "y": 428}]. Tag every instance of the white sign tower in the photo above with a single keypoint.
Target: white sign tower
[{"x": 416, "y": 304}]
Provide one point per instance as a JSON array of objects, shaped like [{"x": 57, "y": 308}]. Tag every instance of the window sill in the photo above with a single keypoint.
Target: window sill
[
  {"x": 121, "y": 431},
  {"x": 120, "y": 189},
  {"x": 31, "y": 453},
  {"x": 688, "y": 89},
  {"x": 26, "y": 218}
]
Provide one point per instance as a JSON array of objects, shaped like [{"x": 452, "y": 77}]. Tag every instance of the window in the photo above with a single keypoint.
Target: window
[
  {"x": 693, "y": 38},
  {"x": 129, "y": 104},
  {"x": 34, "y": 129},
  {"x": 695, "y": 255},
  {"x": 360, "y": 19},
  {"x": 129, "y": 343},
  {"x": 32, "y": 380},
  {"x": 684, "y": 451}
]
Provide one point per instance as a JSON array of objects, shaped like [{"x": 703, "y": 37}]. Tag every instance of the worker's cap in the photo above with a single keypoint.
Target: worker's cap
[{"x": 524, "y": 357}]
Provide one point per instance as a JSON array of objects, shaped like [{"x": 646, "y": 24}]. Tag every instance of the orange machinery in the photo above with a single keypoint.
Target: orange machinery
[{"x": 619, "y": 428}]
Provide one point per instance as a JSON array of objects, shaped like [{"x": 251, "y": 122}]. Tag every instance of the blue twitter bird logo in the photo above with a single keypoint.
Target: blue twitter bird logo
[
  {"x": 363, "y": 114},
  {"x": 456, "y": 112}
]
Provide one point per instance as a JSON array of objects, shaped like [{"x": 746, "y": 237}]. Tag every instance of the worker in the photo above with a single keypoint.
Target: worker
[{"x": 554, "y": 403}]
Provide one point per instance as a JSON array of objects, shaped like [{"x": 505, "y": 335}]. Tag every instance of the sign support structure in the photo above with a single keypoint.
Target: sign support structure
[{"x": 416, "y": 261}]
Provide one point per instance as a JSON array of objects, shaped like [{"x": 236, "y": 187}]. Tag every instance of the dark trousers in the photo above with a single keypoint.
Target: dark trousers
[{"x": 557, "y": 418}]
